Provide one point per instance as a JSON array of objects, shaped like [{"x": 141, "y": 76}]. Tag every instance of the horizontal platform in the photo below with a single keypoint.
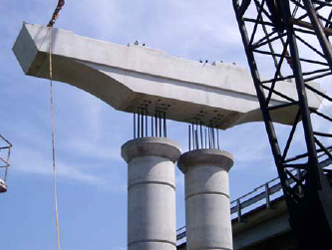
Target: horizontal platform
[{"x": 133, "y": 77}]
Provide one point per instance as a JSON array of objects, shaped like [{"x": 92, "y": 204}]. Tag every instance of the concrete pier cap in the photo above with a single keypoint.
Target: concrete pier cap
[
  {"x": 151, "y": 193},
  {"x": 151, "y": 146},
  {"x": 208, "y": 220},
  {"x": 204, "y": 157},
  {"x": 131, "y": 77}
]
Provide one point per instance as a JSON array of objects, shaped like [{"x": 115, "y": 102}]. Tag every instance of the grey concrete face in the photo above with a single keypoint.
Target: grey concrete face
[
  {"x": 208, "y": 220},
  {"x": 128, "y": 77},
  {"x": 151, "y": 193}
]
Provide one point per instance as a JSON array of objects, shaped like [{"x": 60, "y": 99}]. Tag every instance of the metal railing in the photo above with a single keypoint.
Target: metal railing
[{"x": 260, "y": 196}]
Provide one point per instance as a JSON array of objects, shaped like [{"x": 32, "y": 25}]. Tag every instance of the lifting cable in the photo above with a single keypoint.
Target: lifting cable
[
  {"x": 53, "y": 142},
  {"x": 55, "y": 16}
]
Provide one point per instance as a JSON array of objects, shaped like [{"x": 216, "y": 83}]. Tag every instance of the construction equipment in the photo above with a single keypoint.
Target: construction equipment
[
  {"x": 56, "y": 13},
  {"x": 5, "y": 147},
  {"x": 293, "y": 36}
]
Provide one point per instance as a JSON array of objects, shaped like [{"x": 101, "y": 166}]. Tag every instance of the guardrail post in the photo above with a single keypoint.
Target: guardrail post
[
  {"x": 239, "y": 214},
  {"x": 267, "y": 196},
  {"x": 299, "y": 175}
]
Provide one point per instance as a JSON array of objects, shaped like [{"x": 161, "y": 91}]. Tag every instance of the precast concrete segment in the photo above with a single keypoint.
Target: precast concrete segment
[
  {"x": 132, "y": 77},
  {"x": 208, "y": 219},
  {"x": 151, "y": 193}
]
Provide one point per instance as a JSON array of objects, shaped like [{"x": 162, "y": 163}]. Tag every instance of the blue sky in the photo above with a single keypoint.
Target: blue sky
[{"x": 91, "y": 174}]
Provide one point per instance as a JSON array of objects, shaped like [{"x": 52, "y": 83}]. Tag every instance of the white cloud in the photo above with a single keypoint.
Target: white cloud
[
  {"x": 92, "y": 150},
  {"x": 33, "y": 161}
]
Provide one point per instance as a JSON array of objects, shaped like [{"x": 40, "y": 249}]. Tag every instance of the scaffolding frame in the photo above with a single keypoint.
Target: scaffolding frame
[{"x": 5, "y": 148}]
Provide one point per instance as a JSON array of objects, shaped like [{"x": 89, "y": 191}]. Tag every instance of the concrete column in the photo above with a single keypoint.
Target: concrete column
[
  {"x": 208, "y": 219},
  {"x": 151, "y": 193}
]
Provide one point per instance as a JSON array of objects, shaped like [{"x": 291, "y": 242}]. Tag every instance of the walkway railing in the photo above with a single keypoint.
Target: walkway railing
[{"x": 262, "y": 195}]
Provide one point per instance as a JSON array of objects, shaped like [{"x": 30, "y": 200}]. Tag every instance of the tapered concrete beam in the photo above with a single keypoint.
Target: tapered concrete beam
[{"x": 130, "y": 77}]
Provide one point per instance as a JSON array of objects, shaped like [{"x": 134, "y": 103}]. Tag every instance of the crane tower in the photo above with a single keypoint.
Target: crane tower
[{"x": 288, "y": 40}]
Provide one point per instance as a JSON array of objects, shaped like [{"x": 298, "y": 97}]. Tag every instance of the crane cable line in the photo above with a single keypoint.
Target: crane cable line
[
  {"x": 54, "y": 17},
  {"x": 53, "y": 138}
]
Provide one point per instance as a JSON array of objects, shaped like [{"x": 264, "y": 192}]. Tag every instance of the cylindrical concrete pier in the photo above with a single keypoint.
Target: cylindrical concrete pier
[
  {"x": 208, "y": 220},
  {"x": 151, "y": 193}
]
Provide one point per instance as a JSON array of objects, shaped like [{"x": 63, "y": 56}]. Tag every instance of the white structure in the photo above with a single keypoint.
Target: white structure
[
  {"x": 208, "y": 219},
  {"x": 132, "y": 77},
  {"x": 129, "y": 77},
  {"x": 151, "y": 193}
]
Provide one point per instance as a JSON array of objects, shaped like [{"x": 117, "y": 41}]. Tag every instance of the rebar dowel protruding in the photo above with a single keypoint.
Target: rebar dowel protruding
[
  {"x": 134, "y": 121},
  {"x": 146, "y": 123},
  {"x": 160, "y": 124},
  {"x": 142, "y": 123},
  {"x": 218, "y": 138},
  {"x": 152, "y": 127},
  {"x": 194, "y": 137},
  {"x": 213, "y": 137},
  {"x": 157, "y": 124},
  {"x": 165, "y": 125},
  {"x": 201, "y": 130},
  {"x": 210, "y": 138},
  {"x": 206, "y": 138},
  {"x": 138, "y": 125},
  {"x": 195, "y": 134},
  {"x": 189, "y": 137},
  {"x": 200, "y": 137}
]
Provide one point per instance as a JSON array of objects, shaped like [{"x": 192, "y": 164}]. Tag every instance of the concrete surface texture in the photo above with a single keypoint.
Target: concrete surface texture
[
  {"x": 151, "y": 193},
  {"x": 262, "y": 229},
  {"x": 130, "y": 77},
  {"x": 208, "y": 219}
]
